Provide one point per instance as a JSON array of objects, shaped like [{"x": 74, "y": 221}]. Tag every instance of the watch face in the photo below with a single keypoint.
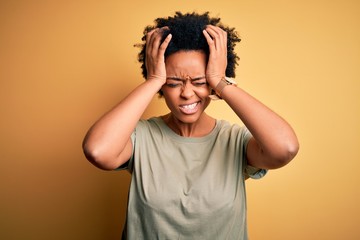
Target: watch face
[{"x": 230, "y": 80}]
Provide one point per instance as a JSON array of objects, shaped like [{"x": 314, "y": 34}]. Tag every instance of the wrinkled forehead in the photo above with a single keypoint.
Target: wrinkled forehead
[
  {"x": 186, "y": 64},
  {"x": 186, "y": 78},
  {"x": 206, "y": 53}
]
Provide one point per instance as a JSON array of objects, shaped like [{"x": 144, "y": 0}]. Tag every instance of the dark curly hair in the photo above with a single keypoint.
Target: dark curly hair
[{"x": 186, "y": 30}]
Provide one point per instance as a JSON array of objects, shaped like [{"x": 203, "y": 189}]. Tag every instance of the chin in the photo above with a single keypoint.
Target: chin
[{"x": 188, "y": 119}]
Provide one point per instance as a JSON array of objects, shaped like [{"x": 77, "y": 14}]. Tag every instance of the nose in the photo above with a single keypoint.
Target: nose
[{"x": 187, "y": 91}]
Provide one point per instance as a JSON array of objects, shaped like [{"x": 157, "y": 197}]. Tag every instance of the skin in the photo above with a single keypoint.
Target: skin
[
  {"x": 107, "y": 144},
  {"x": 185, "y": 87}
]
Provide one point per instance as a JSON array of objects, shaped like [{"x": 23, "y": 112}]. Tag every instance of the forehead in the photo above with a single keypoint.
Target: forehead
[{"x": 185, "y": 63}]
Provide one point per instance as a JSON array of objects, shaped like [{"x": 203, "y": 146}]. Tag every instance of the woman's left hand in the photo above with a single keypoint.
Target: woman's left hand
[{"x": 216, "y": 67}]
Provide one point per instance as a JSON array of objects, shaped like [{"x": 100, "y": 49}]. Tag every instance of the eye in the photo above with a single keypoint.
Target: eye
[
  {"x": 173, "y": 85},
  {"x": 198, "y": 84}
]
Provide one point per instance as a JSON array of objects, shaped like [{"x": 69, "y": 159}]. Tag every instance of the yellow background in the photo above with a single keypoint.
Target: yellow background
[{"x": 64, "y": 63}]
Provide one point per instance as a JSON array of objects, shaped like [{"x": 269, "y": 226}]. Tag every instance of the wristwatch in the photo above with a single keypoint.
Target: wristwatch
[{"x": 225, "y": 81}]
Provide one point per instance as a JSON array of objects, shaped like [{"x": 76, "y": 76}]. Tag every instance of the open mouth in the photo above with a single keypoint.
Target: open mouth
[{"x": 189, "y": 108}]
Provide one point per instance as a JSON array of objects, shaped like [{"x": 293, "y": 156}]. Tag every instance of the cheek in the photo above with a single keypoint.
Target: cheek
[
  {"x": 203, "y": 92},
  {"x": 169, "y": 98}
]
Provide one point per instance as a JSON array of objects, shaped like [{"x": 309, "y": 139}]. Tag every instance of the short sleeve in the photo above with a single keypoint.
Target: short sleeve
[
  {"x": 250, "y": 171},
  {"x": 254, "y": 173},
  {"x": 129, "y": 164}
]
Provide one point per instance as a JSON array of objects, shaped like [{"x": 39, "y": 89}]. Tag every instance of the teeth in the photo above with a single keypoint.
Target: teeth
[{"x": 191, "y": 106}]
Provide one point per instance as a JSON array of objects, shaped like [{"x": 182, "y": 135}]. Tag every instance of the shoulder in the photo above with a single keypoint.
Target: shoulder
[
  {"x": 153, "y": 122},
  {"x": 232, "y": 130},
  {"x": 152, "y": 126}
]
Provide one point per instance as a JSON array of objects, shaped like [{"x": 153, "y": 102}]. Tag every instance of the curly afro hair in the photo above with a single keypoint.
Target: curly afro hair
[{"x": 187, "y": 35}]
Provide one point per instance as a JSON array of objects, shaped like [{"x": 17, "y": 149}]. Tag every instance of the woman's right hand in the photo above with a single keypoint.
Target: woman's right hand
[
  {"x": 108, "y": 144},
  {"x": 155, "y": 54}
]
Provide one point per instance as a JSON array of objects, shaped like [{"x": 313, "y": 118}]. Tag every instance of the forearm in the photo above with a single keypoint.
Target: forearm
[
  {"x": 276, "y": 141},
  {"x": 108, "y": 137}
]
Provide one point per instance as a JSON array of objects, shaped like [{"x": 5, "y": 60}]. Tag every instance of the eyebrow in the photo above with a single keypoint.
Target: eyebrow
[{"x": 182, "y": 79}]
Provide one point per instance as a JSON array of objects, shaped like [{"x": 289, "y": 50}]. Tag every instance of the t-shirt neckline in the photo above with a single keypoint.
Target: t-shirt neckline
[{"x": 160, "y": 122}]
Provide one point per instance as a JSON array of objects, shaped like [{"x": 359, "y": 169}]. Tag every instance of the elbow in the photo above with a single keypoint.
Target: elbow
[
  {"x": 286, "y": 154},
  {"x": 97, "y": 157}
]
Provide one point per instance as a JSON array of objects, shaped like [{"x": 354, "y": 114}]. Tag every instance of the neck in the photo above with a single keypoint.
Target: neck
[{"x": 202, "y": 127}]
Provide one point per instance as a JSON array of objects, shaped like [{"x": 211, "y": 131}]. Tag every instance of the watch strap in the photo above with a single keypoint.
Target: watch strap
[{"x": 225, "y": 81}]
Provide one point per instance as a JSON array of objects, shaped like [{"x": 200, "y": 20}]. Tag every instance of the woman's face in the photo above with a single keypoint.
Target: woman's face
[{"x": 186, "y": 90}]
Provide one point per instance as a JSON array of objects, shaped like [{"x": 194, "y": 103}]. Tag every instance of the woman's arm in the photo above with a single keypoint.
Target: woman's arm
[
  {"x": 274, "y": 143},
  {"x": 107, "y": 144}
]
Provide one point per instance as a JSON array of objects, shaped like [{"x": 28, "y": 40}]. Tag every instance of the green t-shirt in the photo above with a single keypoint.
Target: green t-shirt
[{"x": 188, "y": 188}]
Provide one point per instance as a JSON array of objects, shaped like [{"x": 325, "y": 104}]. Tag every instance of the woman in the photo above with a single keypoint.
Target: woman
[{"x": 188, "y": 169}]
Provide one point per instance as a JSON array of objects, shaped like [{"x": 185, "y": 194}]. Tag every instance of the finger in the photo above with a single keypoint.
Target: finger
[
  {"x": 154, "y": 37},
  {"x": 214, "y": 36},
  {"x": 164, "y": 45},
  {"x": 164, "y": 28},
  {"x": 219, "y": 31},
  {"x": 218, "y": 35},
  {"x": 149, "y": 35},
  {"x": 149, "y": 41},
  {"x": 209, "y": 40},
  {"x": 156, "y": 40}
]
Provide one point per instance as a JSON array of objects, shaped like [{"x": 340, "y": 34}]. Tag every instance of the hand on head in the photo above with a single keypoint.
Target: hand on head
[
  {"x": 155, "y": 51},
  {"x": 217, "y": 62},
  {"x": 216, "y": 67}
]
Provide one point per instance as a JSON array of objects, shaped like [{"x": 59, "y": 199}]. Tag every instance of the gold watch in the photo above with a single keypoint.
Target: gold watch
[{"x": 225, "y": 81}]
